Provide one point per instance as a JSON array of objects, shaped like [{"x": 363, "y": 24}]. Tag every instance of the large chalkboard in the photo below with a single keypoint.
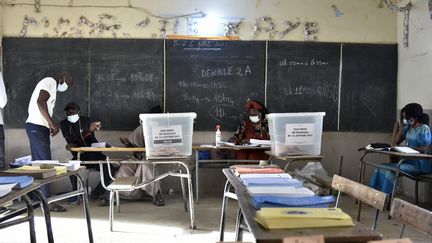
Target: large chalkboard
[
  {"x": 368, "y": 100},
  {"x": 27, "y": 60},
  {"x": 214, "y": 79},
  {"x": 304, "y": 77},
  {"x": 126, "y": 79}
]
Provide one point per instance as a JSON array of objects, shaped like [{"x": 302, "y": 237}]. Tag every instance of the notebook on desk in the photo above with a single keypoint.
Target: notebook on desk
[{"x": 19, "y": 181}]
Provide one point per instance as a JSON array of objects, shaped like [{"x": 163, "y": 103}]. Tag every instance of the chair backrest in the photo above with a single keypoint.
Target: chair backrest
[
  {"x": 305, "y": 239},
  {"x": 359, "y": 191},
  {"x": 411, "y": 214}
]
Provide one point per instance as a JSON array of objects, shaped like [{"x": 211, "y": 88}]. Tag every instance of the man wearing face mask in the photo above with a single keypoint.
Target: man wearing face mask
[
  {"x": 40, "y": 124},
  {"x": 78, "y": 131},
  {"x": 255, "y": 127}
]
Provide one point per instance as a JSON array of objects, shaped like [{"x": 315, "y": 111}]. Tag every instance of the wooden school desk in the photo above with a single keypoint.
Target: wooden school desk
[
  {"x": 34, "y": 188},
  {"x": 218, "y": 163},
  {"x": 291, "y": 159},
  {"x": 356, "y": 233},
  {"x": 154, "y": 161},
  {"x": 402, "y": 158}
]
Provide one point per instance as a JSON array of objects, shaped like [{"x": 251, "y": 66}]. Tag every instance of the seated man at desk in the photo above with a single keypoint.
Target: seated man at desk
[
  {"x": 79, "y": 132},
  {"x": 255, "y": 127},
  {"x": 142, "y": 171},
  {"x": 417, "y": 134}
]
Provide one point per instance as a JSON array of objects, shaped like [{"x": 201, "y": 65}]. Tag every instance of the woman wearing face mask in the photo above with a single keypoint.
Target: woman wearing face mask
[
  {"x": 79, "y": 132},
  {"x": 254, "y": 127},
  {"x": 416, "y": 134}
]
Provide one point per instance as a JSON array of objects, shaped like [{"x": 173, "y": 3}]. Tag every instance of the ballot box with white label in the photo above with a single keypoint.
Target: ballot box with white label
[
  {"x": 296, "y": 133},
  {"x": 168, "y": 135}
]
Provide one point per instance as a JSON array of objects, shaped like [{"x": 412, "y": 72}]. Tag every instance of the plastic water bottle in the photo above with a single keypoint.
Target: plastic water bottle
[{"x": 218, "y": 135}]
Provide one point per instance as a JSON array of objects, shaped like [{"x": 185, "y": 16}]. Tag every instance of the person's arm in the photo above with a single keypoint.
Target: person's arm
[
  {"x": 3, "y": 96},
  {"x": 239, "y": 135},
  {"x": 43, "y": 108},
  {"x": 397, "y": 134}
]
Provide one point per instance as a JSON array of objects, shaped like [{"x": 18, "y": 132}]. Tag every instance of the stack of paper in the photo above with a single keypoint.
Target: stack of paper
[
  {"x": 264, "y": 143},
  {"x": 19, "y": 181},
  {"x": 269, "y": 170},
  {"x": 286, "y": 191},
  {"x": 265, "y": 176},
  {"x": 285, "y": 218},
  {"x": 273, "y": 201},
  {"x": 6, "y": 189},
  {"x": 33, "y": 171},
  {"x": 271, "y": 182},
  {"x": 407, "y": 150},
  {"x": 72, "y": 165}
]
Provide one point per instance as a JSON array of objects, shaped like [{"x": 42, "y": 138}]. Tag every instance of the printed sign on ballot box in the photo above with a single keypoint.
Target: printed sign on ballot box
[
  {"x": 167, "y": 136},
  {"x": 299, "y": 134}
]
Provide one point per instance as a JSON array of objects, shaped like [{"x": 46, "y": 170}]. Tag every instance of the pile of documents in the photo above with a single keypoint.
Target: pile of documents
[
  {"x": 7, "y": 183},
  {"x": 283, "y": 202},
  {"x": 289, "y": 218}
]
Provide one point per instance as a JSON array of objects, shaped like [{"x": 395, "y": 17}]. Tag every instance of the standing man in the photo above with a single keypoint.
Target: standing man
[
  {"x": 3, "y": 101},
  {"x": 40, "y": 124}
]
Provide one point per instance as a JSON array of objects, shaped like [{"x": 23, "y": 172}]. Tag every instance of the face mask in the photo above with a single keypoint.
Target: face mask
[
  {"x": 73, "y": 118},
  {"x": 405, "y": 121},
  {"x": 62, "y": 87},
  {"x": 411, "y": 122},
  {"x": 254, "y": 119}
]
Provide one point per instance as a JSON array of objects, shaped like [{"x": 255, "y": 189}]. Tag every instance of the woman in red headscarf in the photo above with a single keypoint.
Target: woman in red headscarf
[{"x": 255, "y": 127}]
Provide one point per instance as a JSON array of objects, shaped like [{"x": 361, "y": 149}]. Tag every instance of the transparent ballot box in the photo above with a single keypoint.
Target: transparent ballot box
[
  {"x": 168, "y": 134},
  {"x": 296, "y": 133}
]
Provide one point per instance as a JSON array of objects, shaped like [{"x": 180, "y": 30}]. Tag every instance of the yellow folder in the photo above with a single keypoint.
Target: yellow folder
[{"x": 289, "y": 218}]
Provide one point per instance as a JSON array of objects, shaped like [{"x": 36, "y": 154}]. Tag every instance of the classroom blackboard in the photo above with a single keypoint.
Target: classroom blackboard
[
  {"x": 27, "y": 60},
  {"x": 214, "y": 79},
  {"x": 126, "y": 79},
  {"x": 304, "y": 77},
  {"x": 369, "y": 87}
]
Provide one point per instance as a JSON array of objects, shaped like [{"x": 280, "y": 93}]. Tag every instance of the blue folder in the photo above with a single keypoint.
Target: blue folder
[
  {"x": 21, "y": 181},
  {"x": 249, "y": 182},
  {"x": 302, "y": 202}
]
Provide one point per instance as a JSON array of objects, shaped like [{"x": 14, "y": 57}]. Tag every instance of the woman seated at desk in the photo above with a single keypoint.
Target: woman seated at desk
[
  {"x": 417, "y": 134},
  {"x": 255, "y": 127}
]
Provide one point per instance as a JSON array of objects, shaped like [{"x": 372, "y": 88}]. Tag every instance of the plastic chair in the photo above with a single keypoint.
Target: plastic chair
[
  {"x": 365, "y": 194},
  {"x": 411, "y": 214}
]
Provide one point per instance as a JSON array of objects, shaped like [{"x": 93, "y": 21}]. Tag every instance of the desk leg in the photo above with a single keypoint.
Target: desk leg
[
  {"x": 30, "y": 213},
  {"x": 45, "y": 209},
  {"x": 183, "y": 192},
  {"x": 239, "y": 229},
  {"x": 360, "y": 180},
  {"x": 86, "y": 206},
  {"x": 196, "y": 176},
  {"x": 191, "y": 201},
  {"x": 223, "y": 211}
]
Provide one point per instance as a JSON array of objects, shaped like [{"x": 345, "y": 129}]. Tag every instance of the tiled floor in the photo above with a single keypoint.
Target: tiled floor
[{"x": 143, "y": 222}]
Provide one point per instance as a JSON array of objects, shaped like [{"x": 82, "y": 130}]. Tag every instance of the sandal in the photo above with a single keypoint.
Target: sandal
[
  {"x": 158, "y": 200},
  {"x": 54, "y": 207}
]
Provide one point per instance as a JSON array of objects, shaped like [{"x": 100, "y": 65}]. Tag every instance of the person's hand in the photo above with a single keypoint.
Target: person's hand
[
  {"x": 54, "y": 129},
  {"x": 97, "y": 125},
  {"x": 245, "y": 141},
  {"x": 70, "y": 145},
  {"x": 125, "y": 141}
]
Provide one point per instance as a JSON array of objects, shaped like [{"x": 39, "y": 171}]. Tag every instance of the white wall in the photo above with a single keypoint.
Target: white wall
[
  {"x": 414, "y": 70},
  {"x": 362, "y": 21},
  {"x": 415, "y": 62}
]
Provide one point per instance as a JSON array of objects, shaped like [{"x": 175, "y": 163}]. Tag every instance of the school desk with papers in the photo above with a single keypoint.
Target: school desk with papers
[{"x": 235, "y": 189}]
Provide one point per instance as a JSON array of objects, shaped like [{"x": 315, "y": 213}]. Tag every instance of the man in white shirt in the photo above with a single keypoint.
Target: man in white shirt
[
  {"x": 3, "y": 101},
  {"x": 40, "y": 124}
]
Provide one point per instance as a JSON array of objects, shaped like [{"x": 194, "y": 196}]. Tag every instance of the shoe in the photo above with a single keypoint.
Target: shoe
[
  {"x": 74, "y": 200},
  {"x": 104, "y": 203},
  {"x": 158, "y": 200},
  {"x": 54, "y": 207}
]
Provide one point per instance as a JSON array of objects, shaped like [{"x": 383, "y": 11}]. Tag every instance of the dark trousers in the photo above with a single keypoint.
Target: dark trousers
[
  {"x": 2, "y": 148},
  {"x": 39, "y": 138}
]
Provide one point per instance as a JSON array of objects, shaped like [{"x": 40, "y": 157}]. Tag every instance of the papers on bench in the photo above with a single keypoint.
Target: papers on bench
[
  {"x": 289, "y": 218},
  {"x": 264, "y": 176},
  {"x": 286, "y": 191},
  {"x": 271, "y": 182},
  {"x": 407, "y": 150},
  {"x": 18, "y": 181},
  {"x": 6, "y": 189},
  {"x": 257, "y": 170},
  {"x": 282, "y": 201}
]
